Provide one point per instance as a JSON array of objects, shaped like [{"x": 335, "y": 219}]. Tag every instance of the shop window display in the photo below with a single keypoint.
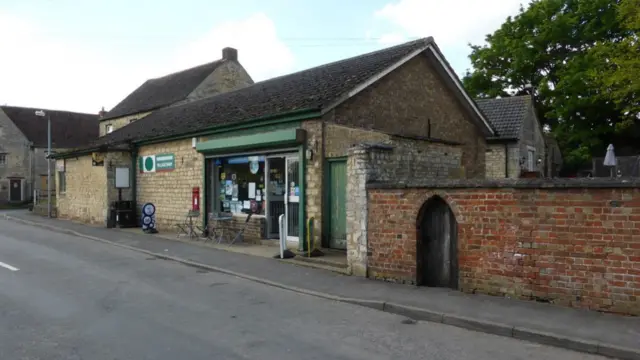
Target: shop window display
[{"x": 241, "y": 184}]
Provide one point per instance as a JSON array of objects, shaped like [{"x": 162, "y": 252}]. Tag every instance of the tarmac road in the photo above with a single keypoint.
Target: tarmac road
[{"x": 63, "y": 297}]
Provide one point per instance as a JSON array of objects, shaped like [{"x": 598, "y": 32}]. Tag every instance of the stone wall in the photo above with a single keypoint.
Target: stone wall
[
  {"x": 572, "y": 243},
  {"x": 170, "y": 191},
  {"x": 532, "y": 137},
  {"x": 415, "y": 101},
  {"x": 400, "y": 162},
  {"x": 114, "y": 160},
  {"x": 85, "y": 198},
  {"x": 228, "y": 76},
  {"x": 316, "y": 142},
  {"x": 495, "y": 161},
  {"x": 117, "y": 123},
  {"x": 16, "y": 148}
]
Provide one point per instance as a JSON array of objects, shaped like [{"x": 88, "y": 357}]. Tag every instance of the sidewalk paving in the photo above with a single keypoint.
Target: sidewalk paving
[{"x": 581, "y": 330}]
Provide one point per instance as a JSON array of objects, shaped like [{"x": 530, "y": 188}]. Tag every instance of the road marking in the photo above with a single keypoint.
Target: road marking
[{"x": 7, "y": 266}]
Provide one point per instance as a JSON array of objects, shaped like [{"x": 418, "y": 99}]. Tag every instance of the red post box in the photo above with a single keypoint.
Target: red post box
[{"x": 195, "y": 199}]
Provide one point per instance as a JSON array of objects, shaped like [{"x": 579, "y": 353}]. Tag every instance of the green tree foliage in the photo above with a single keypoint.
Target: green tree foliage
[{"x": 560, "y": 48}]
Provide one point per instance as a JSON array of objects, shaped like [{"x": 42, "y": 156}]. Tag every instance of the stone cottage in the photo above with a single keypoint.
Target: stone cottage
[
  {"x": 292, "y": 146},
  {"x": 23, "y": 146},
  {"x": 519, "y": 146},
  {"x": 205, "y": 80}
]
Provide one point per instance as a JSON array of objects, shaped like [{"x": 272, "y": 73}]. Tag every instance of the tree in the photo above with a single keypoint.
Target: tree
[
  {"x": 552, "y": 46},
  {"x": 618, "y": 70}
]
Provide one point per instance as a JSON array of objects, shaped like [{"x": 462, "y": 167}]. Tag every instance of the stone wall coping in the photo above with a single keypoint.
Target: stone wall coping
[{"x": 556, "y": 183}]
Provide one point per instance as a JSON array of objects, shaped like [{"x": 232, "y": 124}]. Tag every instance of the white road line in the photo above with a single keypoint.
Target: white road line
[{"x": 7, "y": 266}]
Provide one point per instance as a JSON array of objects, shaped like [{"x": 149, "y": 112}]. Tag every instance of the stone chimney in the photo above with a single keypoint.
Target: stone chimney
[
  {"x": 230, "y": 53},
  {"x": 101, "y": 113}
]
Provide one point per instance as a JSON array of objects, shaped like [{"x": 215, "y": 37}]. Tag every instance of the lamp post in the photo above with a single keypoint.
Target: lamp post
[{"x": 42, "y": 114}]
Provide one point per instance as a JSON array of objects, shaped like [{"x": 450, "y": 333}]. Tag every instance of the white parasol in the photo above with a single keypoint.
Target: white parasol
[{"x": 610, "y": 158}]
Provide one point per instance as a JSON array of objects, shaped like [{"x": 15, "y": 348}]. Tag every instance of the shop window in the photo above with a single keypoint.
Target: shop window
[{"x": 241, "y": 184}]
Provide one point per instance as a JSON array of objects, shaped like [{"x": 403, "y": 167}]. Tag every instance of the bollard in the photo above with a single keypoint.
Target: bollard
[
  {"x": 283, "y": 236},
  {"x": 310, "y": 236}
]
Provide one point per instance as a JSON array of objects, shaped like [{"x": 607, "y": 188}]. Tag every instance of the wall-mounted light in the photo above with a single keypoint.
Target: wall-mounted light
[
  {"x": 309, "y": 154},
  {"x": 194, "y": 142}
]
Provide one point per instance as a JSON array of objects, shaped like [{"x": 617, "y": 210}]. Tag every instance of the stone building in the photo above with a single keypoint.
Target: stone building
[
  {"x": 296, "y": 145},
  {"x": 225, "y": 74},
  {"x": 519, "y": 145},
  {"x": 23, "y": 146}
]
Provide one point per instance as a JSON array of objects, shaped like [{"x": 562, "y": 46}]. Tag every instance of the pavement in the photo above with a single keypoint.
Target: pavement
[{"x": 579, "y": 330}]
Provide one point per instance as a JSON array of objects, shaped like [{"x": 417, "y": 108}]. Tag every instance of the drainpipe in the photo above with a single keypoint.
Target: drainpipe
[
  {"x": 133, "y": 174},
  {"x": 506, "y": 161}
]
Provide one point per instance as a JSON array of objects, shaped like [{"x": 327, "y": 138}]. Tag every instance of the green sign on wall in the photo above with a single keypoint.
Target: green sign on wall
[
  {"x": 165, "y": 162},
  {"x": 157, "y": 163}
]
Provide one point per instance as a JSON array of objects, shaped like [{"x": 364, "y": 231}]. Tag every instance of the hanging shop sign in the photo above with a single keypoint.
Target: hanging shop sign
[{"x": 157, "y": 163}]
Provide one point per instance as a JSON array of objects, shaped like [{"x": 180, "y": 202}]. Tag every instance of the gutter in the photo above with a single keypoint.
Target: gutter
[{"x": 285, "y": 117}]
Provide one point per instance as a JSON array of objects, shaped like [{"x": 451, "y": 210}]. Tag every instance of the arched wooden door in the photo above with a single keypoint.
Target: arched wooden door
[{"x": 437, "y": 252}]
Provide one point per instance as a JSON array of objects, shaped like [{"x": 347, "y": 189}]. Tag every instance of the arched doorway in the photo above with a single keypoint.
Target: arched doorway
[{"x": 437, "y": 252}]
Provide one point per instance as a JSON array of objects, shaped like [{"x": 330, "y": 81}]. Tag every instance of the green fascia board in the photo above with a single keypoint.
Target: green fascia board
[
  {"x": 291, "y": 116},
  {"x": 261, "y": 140}
]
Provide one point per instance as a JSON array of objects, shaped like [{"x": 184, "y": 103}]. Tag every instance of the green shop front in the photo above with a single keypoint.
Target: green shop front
[{"x": 262, "y": 173}]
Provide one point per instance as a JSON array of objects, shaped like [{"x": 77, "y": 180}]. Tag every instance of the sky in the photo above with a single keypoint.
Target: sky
[{"x": 82, "y": 55}]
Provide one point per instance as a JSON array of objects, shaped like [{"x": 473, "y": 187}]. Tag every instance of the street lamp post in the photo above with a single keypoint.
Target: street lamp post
[{"x": 42, "y": 113}]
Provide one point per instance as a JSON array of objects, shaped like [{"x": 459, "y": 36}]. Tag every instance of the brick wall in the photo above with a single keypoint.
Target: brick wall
[
  {"x": 398, "y": 162},
  {"x": 85, "y": 198},
  {"x": 577, "y": 246}
]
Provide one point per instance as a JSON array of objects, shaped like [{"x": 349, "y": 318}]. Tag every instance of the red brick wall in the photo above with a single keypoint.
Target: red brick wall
[{"x": 570, "y": 246}]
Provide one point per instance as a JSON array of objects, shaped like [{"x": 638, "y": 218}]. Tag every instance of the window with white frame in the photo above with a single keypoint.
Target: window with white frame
[
  {"x": 3, "y": 159},
  {"x": 531, "y": 162},
  {"x": 109, "y": 128}
]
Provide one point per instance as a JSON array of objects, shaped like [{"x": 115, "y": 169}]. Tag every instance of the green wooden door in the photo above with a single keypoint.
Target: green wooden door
[{"x": 336, "y": 210}]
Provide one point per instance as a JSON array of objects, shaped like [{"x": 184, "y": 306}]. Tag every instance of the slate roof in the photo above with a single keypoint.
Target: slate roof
[
  {"x": 506, "y": 115},
  {"x": 163, "y": 91},
  {"x": 68, "y": 129},
  {"x": 311, "y": 89}
]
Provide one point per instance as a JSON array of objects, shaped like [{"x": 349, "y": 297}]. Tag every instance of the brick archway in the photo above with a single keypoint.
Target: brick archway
[{"x": 436, "y": 244}]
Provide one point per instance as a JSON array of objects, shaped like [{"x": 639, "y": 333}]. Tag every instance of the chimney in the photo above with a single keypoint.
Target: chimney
[
  {"x": 230, "y": 53},
  {"x": 101, "y": 113}
]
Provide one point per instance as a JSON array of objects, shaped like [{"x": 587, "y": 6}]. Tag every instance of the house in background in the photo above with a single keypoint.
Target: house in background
[
  {"x": 225, "y": 74},
  {"x": 519, "y": 147},
  {"x": 23, "y": 146}
]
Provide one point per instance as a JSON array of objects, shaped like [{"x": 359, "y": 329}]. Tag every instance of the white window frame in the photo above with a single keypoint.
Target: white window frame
[
  {"x": 531, "y": 158},
  {"x": 108, "y": 128}
]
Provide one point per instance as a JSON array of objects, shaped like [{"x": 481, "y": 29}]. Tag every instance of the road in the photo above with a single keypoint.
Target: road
[{"x": 63, "y": 297}]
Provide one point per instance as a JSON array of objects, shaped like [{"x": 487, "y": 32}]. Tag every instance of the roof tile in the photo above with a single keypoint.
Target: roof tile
[{"x": 506, "y": 115}]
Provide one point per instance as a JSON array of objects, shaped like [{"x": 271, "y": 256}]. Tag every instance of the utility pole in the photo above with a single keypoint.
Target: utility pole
[
  {"x": 42, "y": 114},
  {"x": 49, "y": 165}
]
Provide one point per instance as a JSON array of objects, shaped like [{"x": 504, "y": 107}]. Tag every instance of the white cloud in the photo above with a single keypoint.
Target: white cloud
[
  {"x": 37, "y": 69},
  {"x": 453, "y": 24},
  {"x": 260, "y": 50},
  {"x": 449, "y": 22}
]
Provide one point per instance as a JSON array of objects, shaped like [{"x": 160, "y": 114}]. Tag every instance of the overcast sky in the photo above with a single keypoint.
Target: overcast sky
[{"x": 81, "y": 55}]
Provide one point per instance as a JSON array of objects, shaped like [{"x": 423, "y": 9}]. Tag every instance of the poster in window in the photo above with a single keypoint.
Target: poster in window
[
  {"x": 252, "y": 190},
  {"x": 254, "y": 166},
  {"x": 234, "y": 193},
  {"x": 228, "y": 186}
]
